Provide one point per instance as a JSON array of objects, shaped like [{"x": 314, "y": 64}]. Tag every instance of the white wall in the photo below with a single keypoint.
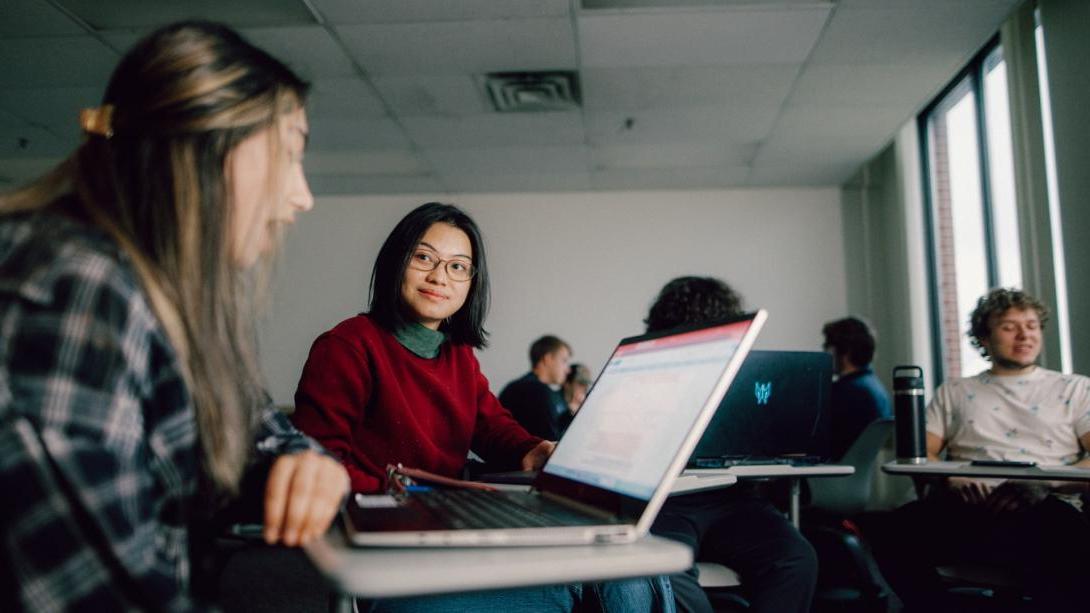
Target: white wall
[{"x": 583, "y": 266}]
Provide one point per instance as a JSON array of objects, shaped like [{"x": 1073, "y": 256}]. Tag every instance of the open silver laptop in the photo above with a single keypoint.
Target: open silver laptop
[{"x": 609, "y": 475}]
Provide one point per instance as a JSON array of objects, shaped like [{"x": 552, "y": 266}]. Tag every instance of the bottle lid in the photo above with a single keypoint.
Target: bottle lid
[{"x": 907, "y": 378}]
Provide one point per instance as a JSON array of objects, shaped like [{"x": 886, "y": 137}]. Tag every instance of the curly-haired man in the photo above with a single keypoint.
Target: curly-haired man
[{"x": 1015, "y": 410}]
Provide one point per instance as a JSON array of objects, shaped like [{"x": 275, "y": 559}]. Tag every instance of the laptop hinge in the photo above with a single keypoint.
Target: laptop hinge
[{"x": 580, "y": 506}]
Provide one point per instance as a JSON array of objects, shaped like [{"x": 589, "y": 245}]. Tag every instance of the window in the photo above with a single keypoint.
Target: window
[{"x": 973, "y": 224}]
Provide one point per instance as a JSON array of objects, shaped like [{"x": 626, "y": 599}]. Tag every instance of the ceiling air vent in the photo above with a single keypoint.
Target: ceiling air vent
[{"x": 532, "y": 92}]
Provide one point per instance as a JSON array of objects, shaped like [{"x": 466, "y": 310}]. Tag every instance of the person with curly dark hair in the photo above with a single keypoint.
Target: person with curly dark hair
[
  {"x": 737, "y": 526},
  {"x": 1015, "y": 410},
  {"x": 692, "y": 300}
]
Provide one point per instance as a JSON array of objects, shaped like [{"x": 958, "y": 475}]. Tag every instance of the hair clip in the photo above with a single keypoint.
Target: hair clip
[{"x": 98, "y": 120}]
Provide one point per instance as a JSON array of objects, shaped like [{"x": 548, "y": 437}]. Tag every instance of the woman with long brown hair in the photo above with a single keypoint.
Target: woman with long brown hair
[{"x": 131, "y": 404}]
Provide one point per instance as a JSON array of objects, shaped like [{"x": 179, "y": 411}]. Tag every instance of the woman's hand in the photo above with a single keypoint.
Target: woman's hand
[
  {"x": 535, "y": 458},
  {"x": 303, "y": 494}
]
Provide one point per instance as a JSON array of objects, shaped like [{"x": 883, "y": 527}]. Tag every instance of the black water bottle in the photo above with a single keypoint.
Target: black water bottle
[{"x": 908, "y": 413}]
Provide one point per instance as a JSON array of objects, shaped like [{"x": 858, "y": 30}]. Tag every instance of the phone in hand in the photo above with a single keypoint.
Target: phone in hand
[{"x": 1004, "y": 463}]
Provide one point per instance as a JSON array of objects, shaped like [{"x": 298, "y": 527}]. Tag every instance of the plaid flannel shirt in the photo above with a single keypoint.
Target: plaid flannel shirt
[{"x": 99, "y": 458}]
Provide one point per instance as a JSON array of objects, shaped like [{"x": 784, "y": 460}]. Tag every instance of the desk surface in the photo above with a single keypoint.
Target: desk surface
[
  {"x": 388, "y": 573},
  {"x": 763, "y": 471},
  {"x": 964, "y": 469}
]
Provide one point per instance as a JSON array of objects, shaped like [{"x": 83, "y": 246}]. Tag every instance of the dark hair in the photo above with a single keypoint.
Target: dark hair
[
  {"x": 544, "y": 346},
  {"x": 387, "y": 307},
  {"x": 152, "y": 176},
  {"x": 579, "y": 373},
  {"x": 851, "y": 337},
  {"x": 692, "y": 300},
  {"x": 997, "y": 302}
]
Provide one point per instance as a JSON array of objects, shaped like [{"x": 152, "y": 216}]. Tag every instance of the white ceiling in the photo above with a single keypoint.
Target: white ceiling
[{"x": 676, "y": 93}]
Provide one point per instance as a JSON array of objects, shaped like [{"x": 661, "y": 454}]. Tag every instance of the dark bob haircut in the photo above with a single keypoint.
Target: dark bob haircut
[
  {"x": 996, "y": 302},
  {"x": 692, "y": 300},
  {"x": 851, "y": 337},
  {"x": 388, "y": 308}
]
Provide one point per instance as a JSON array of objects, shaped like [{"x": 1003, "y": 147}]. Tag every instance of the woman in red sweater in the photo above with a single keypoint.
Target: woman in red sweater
[{"x": 400, "y": 384}]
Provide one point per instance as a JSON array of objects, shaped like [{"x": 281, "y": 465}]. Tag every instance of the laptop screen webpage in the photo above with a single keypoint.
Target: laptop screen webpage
[{"x": 645, "y": 402}]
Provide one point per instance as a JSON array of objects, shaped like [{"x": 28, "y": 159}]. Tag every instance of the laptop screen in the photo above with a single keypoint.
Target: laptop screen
[
  {"x": 778, "y": 405},
  {"x": 645, "y": 402}
]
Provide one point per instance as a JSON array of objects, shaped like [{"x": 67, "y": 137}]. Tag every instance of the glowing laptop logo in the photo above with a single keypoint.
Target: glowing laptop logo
[{"x": 762, "y": 391}]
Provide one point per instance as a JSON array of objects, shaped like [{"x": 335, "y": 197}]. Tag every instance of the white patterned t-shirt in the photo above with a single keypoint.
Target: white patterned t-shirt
[{"x": 1037, "y": 417}]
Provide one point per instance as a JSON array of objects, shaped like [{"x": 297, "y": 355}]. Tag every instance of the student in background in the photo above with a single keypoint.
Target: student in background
[
  {"x": 400, "y": 384},
  {"x": 734, "y": 526},
  {"x": 534, "y": 399},
  {"x": 130, "y": 400},
  {"x": 857, "y": 396},
  {"x": 1015, "y": 410},
  {"x": 575, "y": 388}
]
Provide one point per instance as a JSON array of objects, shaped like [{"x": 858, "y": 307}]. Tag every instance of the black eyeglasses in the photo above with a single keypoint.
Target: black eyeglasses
[{"x": 458, "y": 269}]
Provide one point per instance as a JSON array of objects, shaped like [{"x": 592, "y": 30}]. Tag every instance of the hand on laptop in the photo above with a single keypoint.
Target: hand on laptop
[
  {"x": 535, "y": 458},
  {"x": 302, "y": 495}
]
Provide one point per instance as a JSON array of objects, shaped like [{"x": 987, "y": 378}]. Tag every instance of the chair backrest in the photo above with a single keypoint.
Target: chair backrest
[{"x": 848, "y": 495}]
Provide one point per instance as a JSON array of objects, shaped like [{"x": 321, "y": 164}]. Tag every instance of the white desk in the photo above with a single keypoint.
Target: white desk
[
  {"x": 689, "y": 482},
  {"x": 965, "y": 469},
  {"x": 371, "y": 572},
  {"x": 777, "y": 471}
]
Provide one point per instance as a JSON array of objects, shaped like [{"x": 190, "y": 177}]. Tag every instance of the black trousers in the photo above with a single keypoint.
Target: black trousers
[
  {"x": 777, "y": 565},
  {"x": 1040, "y": 542}
]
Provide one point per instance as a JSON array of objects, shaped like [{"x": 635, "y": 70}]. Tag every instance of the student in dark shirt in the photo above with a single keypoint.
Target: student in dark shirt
[
  {"x": 857, "y": 396},
  {"x": 534, "y": 398},
  {"x": 735, "y": 526},
  {"x": 575, "y": 388}
]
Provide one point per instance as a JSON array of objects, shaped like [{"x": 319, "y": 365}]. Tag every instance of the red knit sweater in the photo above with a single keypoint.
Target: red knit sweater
[{"x": 372, "y": 402}]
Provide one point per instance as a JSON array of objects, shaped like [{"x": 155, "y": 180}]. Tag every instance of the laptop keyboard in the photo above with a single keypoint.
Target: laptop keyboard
[
  {"x": 469, "y": 509},
  {"x": 728, "y": 461}
]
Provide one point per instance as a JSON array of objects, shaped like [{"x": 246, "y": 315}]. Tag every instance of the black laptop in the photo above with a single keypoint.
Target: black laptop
[{"x": 775, "y": 412}]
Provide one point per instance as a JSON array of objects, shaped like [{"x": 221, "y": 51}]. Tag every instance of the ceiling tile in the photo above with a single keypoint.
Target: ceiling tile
[
  {"x": 526, "y": 182},
  {"x": 349, "y": 98},
  {"x": 711, "y": 37},
  {"x": 704, "y": 124},
  {"x": 340, "y": 134},
  {"x": 940, "y": 34},
  {"x": 806, "y": 174},
  {"x": 630, "y": 89},
  {"x": 514, "y": 160},
  {"x": 391, "y": 11},
  {"x": 903, "y": 85},
  {"x": 21, "y": 140},
  {"x": 464, "y": 47},
  {"x": 34, "y": 18},
  {"x": 330, "y": 185},
  {"x": 822, "y": 133},
  {"x": 671, "y": 155},
  {"x": 431, "y": 95},
  {"x": 309, "y": 50},
  {"x": 669, "y": 178},
  {"x": 362, "y": 163},
  {"x": 55, "y": 109},
  {"x": 18, "y": 171},
  {"x": 64, "y": 61},
  {"x": 117, "y": 14},
  {"x": 496, "y": 129}
]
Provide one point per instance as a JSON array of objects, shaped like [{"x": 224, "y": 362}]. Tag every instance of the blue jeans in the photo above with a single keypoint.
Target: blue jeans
[{"x": 651, "y": 595}]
